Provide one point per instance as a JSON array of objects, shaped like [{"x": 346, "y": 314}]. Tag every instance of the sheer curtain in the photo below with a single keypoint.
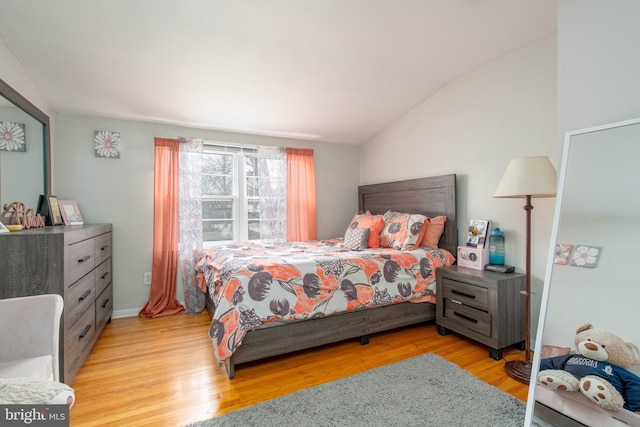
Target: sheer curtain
[
  {"x": 301, "y": 195},
  {"x": 190, "y": 219},
  {"x": 271, "y": 176},
  {"x": 162, "y": 296}
]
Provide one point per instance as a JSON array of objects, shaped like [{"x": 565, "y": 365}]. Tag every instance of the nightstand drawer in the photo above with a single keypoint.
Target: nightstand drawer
[
  {"x": 477, "y": 320},
  {"x": 472, "y": 295}
]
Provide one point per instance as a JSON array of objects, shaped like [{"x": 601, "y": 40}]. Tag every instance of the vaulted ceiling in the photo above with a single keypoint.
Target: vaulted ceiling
[{"x": 328, "y": 70}]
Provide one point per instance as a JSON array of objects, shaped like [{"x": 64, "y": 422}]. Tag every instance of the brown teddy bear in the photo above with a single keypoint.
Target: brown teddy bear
[{"x": 599, "y": 371}]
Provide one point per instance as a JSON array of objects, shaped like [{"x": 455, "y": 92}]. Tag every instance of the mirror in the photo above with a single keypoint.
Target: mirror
[
  {"x": 597, "y": 206},
  {"x": 24, "y": 175}
]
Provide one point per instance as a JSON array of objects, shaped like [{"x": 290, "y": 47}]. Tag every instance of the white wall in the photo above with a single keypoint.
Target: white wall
[
  {"x": 15, "y": 76},
  {"x": 472, "y": 128},
  {"x": 598, "y": 62},
  {"x": 120, "y": 191},
  {"x": 598, "y": 83}
]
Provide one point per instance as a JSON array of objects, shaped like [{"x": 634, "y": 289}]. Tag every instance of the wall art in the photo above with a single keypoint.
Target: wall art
[
  {"x": 12, "y": 137},
  {"x": 107, "y": 144},
  {"x": 585, "y": 256},
  {"x": 561, "y": 255}
]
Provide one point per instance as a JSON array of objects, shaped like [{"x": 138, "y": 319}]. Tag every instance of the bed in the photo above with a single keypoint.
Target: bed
[{"x": 432, "y": 196}]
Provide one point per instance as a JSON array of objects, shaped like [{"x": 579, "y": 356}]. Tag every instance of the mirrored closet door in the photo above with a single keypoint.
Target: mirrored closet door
[{"x": 592, "y": 263}]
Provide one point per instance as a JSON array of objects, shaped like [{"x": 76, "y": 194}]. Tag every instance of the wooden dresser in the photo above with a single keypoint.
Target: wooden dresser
[{"x": 73, "y": 261}]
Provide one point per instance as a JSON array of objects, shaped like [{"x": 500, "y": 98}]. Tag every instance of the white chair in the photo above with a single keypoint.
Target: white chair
[
  {"x": 29, "y": 333},
  {"x": 29, "y": 364}
]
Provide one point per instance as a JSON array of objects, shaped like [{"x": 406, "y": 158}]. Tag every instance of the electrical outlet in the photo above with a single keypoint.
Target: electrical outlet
[{"x": 146, "y": 278}]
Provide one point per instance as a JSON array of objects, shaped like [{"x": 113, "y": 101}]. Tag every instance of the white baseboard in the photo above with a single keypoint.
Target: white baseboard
[{"x": 129, "y": 312}]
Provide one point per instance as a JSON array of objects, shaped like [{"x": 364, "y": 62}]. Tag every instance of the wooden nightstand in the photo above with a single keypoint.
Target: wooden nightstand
[{"x": 485, "y": 306}]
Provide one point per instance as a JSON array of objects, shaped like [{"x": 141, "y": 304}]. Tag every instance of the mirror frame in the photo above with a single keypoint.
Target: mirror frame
[
  {"x": 25, "y": 105},
  {"x": 535, "y": 366}
]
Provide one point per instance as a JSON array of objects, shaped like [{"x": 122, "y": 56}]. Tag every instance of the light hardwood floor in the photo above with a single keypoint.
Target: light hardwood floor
[{"x": 161, "y": 372}]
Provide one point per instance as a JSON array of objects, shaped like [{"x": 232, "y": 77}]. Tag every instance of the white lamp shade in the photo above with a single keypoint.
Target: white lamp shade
[{"x": 528, "y": 176}]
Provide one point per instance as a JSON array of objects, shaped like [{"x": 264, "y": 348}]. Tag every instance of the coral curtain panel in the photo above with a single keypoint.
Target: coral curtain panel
[
  {"x": 301, "y": 195},
  {"x": 162, "y": 297}
]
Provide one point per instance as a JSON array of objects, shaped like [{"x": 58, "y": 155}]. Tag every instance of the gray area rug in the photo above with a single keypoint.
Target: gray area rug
[{"x": 426, "y": 390}]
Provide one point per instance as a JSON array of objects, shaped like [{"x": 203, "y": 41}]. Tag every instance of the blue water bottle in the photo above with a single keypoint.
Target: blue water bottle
[{"x": 496, "y": 247}]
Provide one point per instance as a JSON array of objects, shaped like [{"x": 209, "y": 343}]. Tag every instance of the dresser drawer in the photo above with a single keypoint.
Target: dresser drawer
[
  {"x": 104, "y": 307},
  {"x": 103, "y": 276},
  {"x": 102, "y": 247},
  {"x": 79, "y": 336},
  {"x": 469, "y": 317},
  {"x": 79, "y": 297},
  {"x": 81, "y": 259},
  {"x": 472, "y": 295}
]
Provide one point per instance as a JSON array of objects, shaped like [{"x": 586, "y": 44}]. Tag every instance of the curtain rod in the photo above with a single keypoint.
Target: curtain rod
[
  {"x": 230, "y": 144},
  {"x": 220, "y": 144}
]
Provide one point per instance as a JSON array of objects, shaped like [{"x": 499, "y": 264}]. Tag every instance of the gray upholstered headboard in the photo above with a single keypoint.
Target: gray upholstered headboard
[{"x": 430, "y": 196}]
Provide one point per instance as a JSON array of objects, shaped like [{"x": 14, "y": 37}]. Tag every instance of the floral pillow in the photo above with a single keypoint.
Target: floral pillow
[
  {"x": 356, "y": 238},
  {"x": 374, "y": 223},
  {"x": 402, "y": 231},
  {"x": 433, "y": 229}
]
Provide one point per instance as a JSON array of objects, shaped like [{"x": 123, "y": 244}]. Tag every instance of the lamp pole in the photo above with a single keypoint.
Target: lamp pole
[{"x": 518, "y": 369}]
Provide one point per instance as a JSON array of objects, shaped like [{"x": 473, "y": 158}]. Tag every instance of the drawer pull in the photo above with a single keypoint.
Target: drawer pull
[
  {"x": 106, "y": 302},
  {"x": 104, "y": 248},
  {"x": 86, "y": 294},
  {"x": 84, "y": 258},
  {"x": 464, "y": 294},
  {"x": 84, "y": 331},
  {"x": 464, "y": 316},
  {"x": 105, "y": 275}
]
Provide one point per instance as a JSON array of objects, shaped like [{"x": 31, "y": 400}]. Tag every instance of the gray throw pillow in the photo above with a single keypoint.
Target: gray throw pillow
[{"x": 356, "y": 238}]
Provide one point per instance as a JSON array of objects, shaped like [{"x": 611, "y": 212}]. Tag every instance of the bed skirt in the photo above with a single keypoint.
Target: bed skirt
[{"x": 303, "y": 334}]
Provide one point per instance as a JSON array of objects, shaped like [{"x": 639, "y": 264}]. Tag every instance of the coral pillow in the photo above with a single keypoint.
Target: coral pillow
[
  {"x": 374, "y": 223},
  {"x": 402, "y": 231},
  {"x": 434, "y": 227}
]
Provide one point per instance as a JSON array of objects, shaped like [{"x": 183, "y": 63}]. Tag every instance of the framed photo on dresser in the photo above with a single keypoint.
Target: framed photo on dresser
[
  {"x": 70, "y": 212},
  {"x": 54, "y": 209}
]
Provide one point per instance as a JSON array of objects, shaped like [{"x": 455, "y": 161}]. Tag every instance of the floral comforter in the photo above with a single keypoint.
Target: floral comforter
[{"x": 253, "y": 284}]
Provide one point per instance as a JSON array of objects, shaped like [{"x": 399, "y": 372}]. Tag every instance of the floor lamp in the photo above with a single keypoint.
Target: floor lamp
[{"x": 526, "y": 177}]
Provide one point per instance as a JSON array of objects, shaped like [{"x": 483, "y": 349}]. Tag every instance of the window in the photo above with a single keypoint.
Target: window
[{"x": 236, "y": 184}]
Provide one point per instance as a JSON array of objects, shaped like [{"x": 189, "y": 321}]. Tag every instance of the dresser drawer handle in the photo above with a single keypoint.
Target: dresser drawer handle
[
  {"x": 86, "y": 294},
  {"x": 464, "y": 294},
  {"x": 105, "y": 275},
  {"x": 104, "y": 248},
  {"x": 84, "y": 258},
  {"x": 106, "y": 302},
  {"x": 464, "y": 316},
  {"x": 84, "y": 331}
]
